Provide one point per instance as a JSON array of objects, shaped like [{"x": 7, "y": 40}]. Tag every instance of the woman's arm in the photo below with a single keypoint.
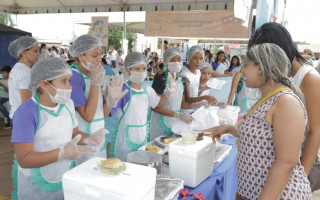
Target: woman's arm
[
  {"x": 189, "y": 99},
  {"x": 88, "y": 111},
  {"x": 286, "y": 117},
  {"x": 76, "y": 132},
  {"x": 25, "y": 95},
  {"x": 311, "y": 91},
  {"x": 234, "y": 85},
  {"x": 28, "y": 158},
  {"x": 215, "y": 74}
]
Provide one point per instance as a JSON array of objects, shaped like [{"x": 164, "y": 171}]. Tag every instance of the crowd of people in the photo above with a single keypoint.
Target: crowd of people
[{"x": 58, "y": 109}]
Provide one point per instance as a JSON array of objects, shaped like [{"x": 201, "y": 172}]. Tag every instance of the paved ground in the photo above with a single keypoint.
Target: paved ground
[{"x": 6, "y": 160}]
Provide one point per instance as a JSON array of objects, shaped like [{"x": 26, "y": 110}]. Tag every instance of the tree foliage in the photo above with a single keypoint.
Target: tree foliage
[
  {"x": 6, "y": 19},
  {"x": 115, "y": 38}
]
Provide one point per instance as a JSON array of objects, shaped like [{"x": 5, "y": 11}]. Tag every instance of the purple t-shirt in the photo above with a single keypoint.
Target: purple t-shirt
[
  {"x": 77, "y": 95},
  {"x": 25, "y": 121},
  {"x": 122, "y": 102}
]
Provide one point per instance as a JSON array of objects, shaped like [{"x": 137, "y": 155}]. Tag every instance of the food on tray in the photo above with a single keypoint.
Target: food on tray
[
  {"x": 153, "y": 148},
  {"x": 112, "y": 166},
  {"x": 167, "y": 140}
]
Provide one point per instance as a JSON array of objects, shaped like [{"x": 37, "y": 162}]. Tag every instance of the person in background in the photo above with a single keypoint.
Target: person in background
[
  {"x": 132, "y": 110},
  {"x": 163, "y": 117},
  {"x": 192, "y": 74},
  {"x": 206, "y": 73},
  {"x": 54, "y": 52},
  {"x": 156, "y": 59},
  {"x": 271, "y": 134},
  {"x": 26, "y": 49},
  {"x": 220, "y": 65},
  {"x": 305, "y": 77},
  {"x": 120, "y": 60},
  {"x": 4, "y": 96},
  {"x": 309, "y": 56},
  {"x": 45, "y": 134},
  {"x": 63, "y": 54},
  {"x": 160, "y": 70},
  {"x": 240, "y": 95},
  {"x": 151, "y": 70},
  {"x": 113, "y": 57},
  {"x": 108, "y": 58},
  {"x": 208, "y": 58},
  {"x": 44, "y": 53},
  {"x": 87, "y": 94},
  {"x": 234, "y": 66},
  {"x": 129, "y": 51}
]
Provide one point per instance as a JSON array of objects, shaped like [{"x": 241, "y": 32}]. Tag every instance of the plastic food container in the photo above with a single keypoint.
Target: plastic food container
[
  {"x": 86, "y": 182},
  {"x": 146, "y": 158},
  {"x": 189, "y": 138}
]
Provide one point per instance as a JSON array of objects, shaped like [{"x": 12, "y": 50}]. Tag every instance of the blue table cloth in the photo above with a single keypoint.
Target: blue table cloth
[{"x": 222, "y": 183}]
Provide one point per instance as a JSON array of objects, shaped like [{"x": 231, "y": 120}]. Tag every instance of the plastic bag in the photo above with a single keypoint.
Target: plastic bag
[
  {"x": 204, "y": 118},
  {"x": 216, "y": 83},
  {"x": 167, "y": 187}
]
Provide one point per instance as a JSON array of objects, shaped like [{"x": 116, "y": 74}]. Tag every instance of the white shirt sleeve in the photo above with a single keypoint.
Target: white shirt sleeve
[
  {"x": 24, "y": 79},
  {"x": 154, "y": 99}
]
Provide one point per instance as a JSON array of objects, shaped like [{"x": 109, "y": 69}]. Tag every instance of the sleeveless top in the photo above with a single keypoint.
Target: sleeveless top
[
  {"x": 257, "y": 153},
  {"x": 298, "y": 77}
]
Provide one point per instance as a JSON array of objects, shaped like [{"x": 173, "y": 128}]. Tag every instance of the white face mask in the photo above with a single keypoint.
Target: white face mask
[
  {"x": 62, "y": 95},
  {"x": 175, "y": 67},
  {"x": 137, "y": 77},
  {"x": 88, "y": 66}
]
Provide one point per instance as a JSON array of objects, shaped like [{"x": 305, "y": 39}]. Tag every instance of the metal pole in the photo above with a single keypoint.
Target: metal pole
[
  {"x": 162, "y": 47},
  {"x": 124, "y": 26}
]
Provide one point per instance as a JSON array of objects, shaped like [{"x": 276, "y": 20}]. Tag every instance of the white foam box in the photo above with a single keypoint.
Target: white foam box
[
  {"x": 229, "y": 115},
  {"x": 192, "y": 163},
  {"x": 86, "y": 182}
]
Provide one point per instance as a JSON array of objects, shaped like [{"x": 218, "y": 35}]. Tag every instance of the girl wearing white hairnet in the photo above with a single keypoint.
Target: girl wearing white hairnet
[
  {"x": 192, "y": 74},
  {"x": 164, "y": 117},
  {"x": 87, "y": 95},
  {"x": 45, "y": 134},
  {"x": 25, "y": 49},
  {"x": 133, "y": 109}
]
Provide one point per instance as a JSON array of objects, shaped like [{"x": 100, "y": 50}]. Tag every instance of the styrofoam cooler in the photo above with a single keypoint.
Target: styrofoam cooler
[
  {"x": 192, "y": 163},
  {"x": 85, "y": 182}
]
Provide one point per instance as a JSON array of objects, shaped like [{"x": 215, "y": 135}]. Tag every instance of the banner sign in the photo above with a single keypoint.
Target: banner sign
[
  {"x": 99, "y": 26},
  {"x": 199, "y": 24}
]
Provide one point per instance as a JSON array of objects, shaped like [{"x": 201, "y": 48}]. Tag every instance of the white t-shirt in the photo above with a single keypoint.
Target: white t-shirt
[
  {"x": 19, "y": 79},
  {"x": 222, "y": 68},
  {"x": 120, "y": 60},
  {"x": 114, "y": 55},
  {"x": 54, "y": 54},
  {"x": 108, "y": 59},
  {"x": 44, "y": 54},
  {"x": 194, "y": 80}
]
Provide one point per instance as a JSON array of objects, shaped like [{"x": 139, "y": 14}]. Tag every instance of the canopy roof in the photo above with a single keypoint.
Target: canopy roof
[
  {"x": 8, "y": 29},
  {"x": 79, "y": 6}
]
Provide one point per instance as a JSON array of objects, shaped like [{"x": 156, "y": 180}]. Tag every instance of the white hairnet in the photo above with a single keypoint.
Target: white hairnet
[
  {"x": 25, "y": 42},
  {"x": 135, "y": 59},
  {"x": 83, "y": 44},
  {"x": 193, "y": 50},
  {"x": 48, "y": 69},
  {"x": 169, "y": 53},
  {"x": 204, "y": 65}
]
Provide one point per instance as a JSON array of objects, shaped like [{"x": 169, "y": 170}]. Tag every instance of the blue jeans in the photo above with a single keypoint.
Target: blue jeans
[
  {"x": 4, "y": 110},
  {"x": 113, "y": 63}
]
